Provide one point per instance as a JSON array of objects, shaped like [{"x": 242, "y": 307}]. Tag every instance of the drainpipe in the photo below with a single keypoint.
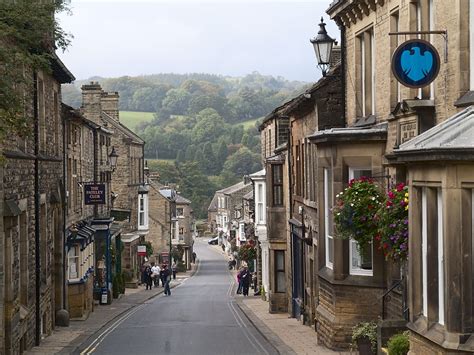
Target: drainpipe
[
  {"x": 37, "y": 214},
  {"x": 343, "y": 71},
  {"x": 64, "y": 204},
  {"x": 290, "y": 195},
  {"x": 95, "y": 167}
]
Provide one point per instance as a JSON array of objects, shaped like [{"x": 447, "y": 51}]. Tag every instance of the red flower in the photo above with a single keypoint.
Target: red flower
[
  {"x": 389, "y": 203},
  {"x": 391, "y": 195},
  {"x": 400, "y": 186}
]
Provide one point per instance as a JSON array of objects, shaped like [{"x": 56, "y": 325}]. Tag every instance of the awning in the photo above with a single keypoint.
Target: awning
[{"x": 81, "y": 234}]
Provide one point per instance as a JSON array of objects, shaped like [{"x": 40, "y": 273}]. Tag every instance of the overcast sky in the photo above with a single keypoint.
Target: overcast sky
[{"x": 117, "y": 37}]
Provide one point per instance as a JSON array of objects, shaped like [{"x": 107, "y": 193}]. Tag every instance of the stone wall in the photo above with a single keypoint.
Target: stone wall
[
  {"x": 340, "y": 308},
  {"x": 159, "y": 221}
]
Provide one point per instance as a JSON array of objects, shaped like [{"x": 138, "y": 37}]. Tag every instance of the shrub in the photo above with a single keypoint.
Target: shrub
[
  {"x": 366, "y": 330},
  {"x": 399, "y": 344}
]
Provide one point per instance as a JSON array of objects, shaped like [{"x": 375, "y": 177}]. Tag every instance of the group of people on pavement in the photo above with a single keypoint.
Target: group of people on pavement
[{"x": 153, "y": 274}]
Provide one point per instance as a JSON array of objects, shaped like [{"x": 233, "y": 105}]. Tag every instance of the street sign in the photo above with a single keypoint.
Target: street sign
[
  {"x": 415, "y": 63},
  {"x": 94, "y": 194},
  {"x": 141, "y": 250}
]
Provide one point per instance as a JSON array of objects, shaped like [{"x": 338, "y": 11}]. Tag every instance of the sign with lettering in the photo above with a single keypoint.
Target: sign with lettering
[
  {"x": 408, "y": 130},
  {"x": 94, "y": 194},
  {"x": 141, "y": 250},
  {"x": 415, "y": 63}
]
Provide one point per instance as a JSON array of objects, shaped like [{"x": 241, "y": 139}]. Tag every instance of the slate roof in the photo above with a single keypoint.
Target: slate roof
[
  {"x": 351, "y": 133},
  {"x": 170, "y": 193},
  {"x": 260, "y": 173},
  {"x": 457, "y": 132},
  {"x": 234, "y": 188},
  {"x": 213, "y": 204},
  {"x": 249, "y": 195}
]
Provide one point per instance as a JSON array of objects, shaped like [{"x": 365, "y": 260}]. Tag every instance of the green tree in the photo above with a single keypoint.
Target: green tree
[
  {"x": 180, "y": 156},
  {"x": 29, "y": 33},
  {"x": 242, "y": 162},
  {"x": 209, "y": 127},
  {"x": 221, "y": 154},
  {"x": 176, "y": 101}
]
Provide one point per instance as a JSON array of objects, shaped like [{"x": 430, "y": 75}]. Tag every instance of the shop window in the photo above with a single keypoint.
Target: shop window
[
  {"x": 328, "y": 218},
  {"x": 360, "y": 261},
  {"x": 280, "y": 277},
  {"x": 277, "y": 184}
]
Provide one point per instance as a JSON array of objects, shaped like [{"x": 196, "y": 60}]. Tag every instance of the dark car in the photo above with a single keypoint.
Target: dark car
[{"x": 213, "y": 241}]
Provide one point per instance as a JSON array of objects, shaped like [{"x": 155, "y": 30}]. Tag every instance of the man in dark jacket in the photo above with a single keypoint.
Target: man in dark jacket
[
  {"x": 166, "y": 278},
  {"x": 245, "y": 279}
]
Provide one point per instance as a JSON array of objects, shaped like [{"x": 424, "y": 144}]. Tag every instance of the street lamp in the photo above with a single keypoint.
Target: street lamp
[
  {"x": 113, "y": 159},
  {"x": 323, "y": 44}
]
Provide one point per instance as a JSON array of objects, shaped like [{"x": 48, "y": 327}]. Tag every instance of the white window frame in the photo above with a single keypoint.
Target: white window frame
[
  {"x": 327, "y": 215},
  {"x": 424, "y": 250},
  {"x": 440, "y": 258},
  {"x": 76, "y": 257},
  {"x": 353, "y": 244},
  {"x": 143, "y": 210},
  {"x": 260, "y": 204}
]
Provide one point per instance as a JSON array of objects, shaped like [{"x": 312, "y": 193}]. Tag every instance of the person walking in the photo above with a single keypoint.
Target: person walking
[
  {"x": 173, "y": 270},
  {"x": 245, "y": 279},
  {"x": 239, "y": 280},
  {"x": 194, "y": 257},
  {"x": 147, "y": 277},
  {"x": 155, "y": 274},
  {"x": 166, "y": 278}
]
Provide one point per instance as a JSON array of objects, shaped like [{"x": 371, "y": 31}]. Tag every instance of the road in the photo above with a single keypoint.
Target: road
[{"x": 200, "y": 317}]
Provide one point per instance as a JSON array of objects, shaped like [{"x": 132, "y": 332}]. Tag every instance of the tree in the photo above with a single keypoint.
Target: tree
[
  {"x": 176, "y": 101},
  {"x": 209, "y": 127},
  {"x": 221, "y": 154},
  {"x": 180, "y": 156},
  {"x": 242, "y": 162},
  {"x": 29, "y": 33}
]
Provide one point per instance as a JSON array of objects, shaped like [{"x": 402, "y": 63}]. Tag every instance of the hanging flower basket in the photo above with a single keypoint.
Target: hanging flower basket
[
  {"x": 393, "y": 222},
  {"x": 355, "y": 211}
]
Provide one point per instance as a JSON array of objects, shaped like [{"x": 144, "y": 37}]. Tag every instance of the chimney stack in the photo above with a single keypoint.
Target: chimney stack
[
  {"x": 110, "y": 104},
  {"x": 91, "y": 103}
]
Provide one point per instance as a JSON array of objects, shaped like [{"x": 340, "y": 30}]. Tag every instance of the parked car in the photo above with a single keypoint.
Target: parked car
[{"x": 213, "y": 241}]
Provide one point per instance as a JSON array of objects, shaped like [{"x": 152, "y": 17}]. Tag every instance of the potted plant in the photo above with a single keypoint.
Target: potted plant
[
  {"x": 399, "y": 344},
  {"x": 393, "y": 224},
  {"x": 364, "y": 335},
  {"x": 355, "y": 213}
]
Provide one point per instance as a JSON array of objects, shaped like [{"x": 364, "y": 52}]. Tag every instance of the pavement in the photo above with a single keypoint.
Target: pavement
[{"x": 67, "y": 340}]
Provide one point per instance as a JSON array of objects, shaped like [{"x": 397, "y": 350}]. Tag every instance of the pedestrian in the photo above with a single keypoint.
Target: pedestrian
[
  {"x": 173, "y": 270},
  {"x": 162, "y": 275},
  {"x": 194, "y": 257},
  {"x": 239, "y": 280},
  {"x": 155, "y": 274},
  {"x": 167, "y": 278},
  {"x": 147, "y": 277},
  {"x": 245, "y": 279}
]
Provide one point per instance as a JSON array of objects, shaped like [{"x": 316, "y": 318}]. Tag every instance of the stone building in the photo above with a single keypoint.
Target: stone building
[
  {"x": 318, "y": 108},
  {"x": 185, "y": 226},
  {"x": 129, "y": 191},
  {"x": 86, "y": 162},
  {"x": 274, "y": 142},
  {"x": 229, "y": 209},
  {"x": 32, "y": 270},
  {"x": 212, "y": 215},
  {"x": 389, "y": 135}
]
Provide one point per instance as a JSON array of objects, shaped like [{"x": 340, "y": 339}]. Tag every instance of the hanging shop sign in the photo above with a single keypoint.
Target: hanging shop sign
[
  {"x": 94, "y": 194},
  {"x": 415, "y": 63},
  {"x": 141, "y": 250}
]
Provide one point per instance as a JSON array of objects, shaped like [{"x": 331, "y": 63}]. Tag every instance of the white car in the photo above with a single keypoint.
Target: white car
[{"x": 213, "y": 241}]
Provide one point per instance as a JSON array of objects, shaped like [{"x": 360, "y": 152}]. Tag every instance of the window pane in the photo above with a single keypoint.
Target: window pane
[
  {"x": 361, "y": 261},
  {"x": 280, "y": 260},
  {"x": 277, "y": 174},
  {"x": 330, "y": 242},
  {"x": 280, "y": 282}
]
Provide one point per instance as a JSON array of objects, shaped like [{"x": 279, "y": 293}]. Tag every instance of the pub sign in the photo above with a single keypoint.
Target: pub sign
[{"x": 94, "y": 194}]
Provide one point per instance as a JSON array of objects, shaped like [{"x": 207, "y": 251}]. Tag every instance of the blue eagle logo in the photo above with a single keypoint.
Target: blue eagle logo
[{"x": 415, "y": 64}]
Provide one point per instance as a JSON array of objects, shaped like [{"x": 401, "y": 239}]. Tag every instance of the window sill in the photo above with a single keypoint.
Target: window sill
[{"x": 349, "y": 280}]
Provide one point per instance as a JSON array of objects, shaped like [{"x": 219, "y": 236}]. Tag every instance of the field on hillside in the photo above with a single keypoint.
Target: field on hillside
[
  {"x": 248, "y": 124},
  {"x": 132, "y": 118}
]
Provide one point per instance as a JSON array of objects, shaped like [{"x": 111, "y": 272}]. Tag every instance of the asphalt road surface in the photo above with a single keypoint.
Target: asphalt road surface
[{"x": 200, "y": 317}]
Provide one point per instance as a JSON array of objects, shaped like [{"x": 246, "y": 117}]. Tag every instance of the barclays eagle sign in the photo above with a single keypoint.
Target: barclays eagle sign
[{"x": 415, "y": 63}]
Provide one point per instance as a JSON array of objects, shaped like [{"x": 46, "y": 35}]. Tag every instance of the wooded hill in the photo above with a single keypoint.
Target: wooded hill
[{"x": 198, "y": 123}]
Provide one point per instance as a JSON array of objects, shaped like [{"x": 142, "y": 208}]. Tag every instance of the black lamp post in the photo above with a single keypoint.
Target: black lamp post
[
  {"x": 323, "y": 44},
  {"x": 113, "y": 159}
]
